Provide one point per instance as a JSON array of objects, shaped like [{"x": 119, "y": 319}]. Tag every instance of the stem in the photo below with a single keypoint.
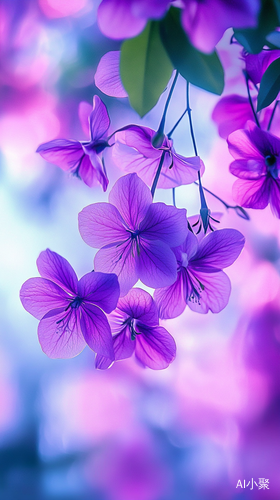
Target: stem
[
  {"x": 237, "y": 208},
  {"x": 162, "y": 122},
  {"x": 272, "y": 115},
  {"x": 250, "y": 99},
  {"x": 173, "y": 197},
  {"x": 155, "y": 181},
  {"x": 190, "y": 120},
  {"x": 176, "y": 125}
]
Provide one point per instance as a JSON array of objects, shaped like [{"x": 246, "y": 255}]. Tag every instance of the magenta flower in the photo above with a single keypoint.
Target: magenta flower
[
  {"x": 231, "y": 113},
  {"x": 127, "y": 18},
  {"x": 134, "y": 234},
  {"x": 201, "y": 284},
  {"x": 70, "y": 311},
  {"x": 83, "y": 158},
  {"x": 257, "y": 64},
  {"x": 257, "y": 164},
  {"x": 142, "y": 157},
  {"x": 135, "y": 327},
  {"x": 107, "y": 77},
  {"x": 206, "y": 21}
]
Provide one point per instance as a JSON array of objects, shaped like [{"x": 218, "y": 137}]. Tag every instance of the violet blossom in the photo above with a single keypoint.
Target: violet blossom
[
  {"x": 257, "y": 164},
  {"x": 134, "y": 152},
  {"x": 134, "y": 235},
  {"x": 257, "y": 64},
  {"x": 83, "y": 158},
  {"x": 135, "y": 328},
  {"x": 201, "y": 284},
  {"x": 70, "y": 311}
]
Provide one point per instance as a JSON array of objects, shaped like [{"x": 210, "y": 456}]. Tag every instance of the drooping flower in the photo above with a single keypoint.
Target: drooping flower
[
  {"x": 134, "y": 235},
  {"x": 127, "y": 18},
  {"x": 107, "y": 77},
  {"x": 257, "y": 164},
  {"x": 135, "y": 328},
  {"x": 134, "y": 152},
  {"x": 70, "y": 311},
  {"x": 201, "y": 284},
  {"x": 83, "y": 158}
]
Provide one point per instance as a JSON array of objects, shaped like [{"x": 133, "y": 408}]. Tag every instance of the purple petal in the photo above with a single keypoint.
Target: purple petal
[
  {"x": 85, "y": 110},
  {"x": 231, "y": 113},
  {"x": 215, "y": 294},
  {"x": 257, "y": 64},
  {"x": 119, "y": 260},
  {"x": 101, "y": 224},
  {"x": 38, "y": 296},
  {"x": 100, "y": 289},
  {"x": 251, "y": 193},
  {"x": 241, "y": 146},
  {"x": 57, "y": 269},
  {"x": 139, "y": 304},
  {"x": 123, "y": 345},
  {"x": 116, "y": 19},
  {"x": 93, "y": 172},
  {"x": 65, "y": 154},
  {"x": 102, "y": 363},
  {"x": 218, "y": 249},
  {"x": 140, "y": 138},
  {"x": 60, "y": 335},
  {"x": 130, "y": 160},
  {"x": 183, "y": 170},
  {"x": 170, "y": 300},
  {"x": 156, "y": 264},
  {"x": 275, "y": 197},
  {"x": 248, "y": 169},
  {"x": 107, "y": 77},
  {"x": 132, "y": 198},
  {"x": 188, "y": 247},
  {"x": 155, "y": 347},
  {"x": 99, "y": 120},
  {"x": 96, "y": 330},
  {"x": 165, "y": 223}
]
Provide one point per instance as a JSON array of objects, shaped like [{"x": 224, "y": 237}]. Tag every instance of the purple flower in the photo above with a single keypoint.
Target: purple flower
[
  {"x": 257, "y": 64},
  {"x": 231, "y": 113},
  {"x": 143, "y": 157},
  {"x": 206, "y": 21},
  {"x": 201, "y": 284},
  {"x": 257, "y": 164},
  {"x": 70, "y": 311},
  {"x": 134, "y": 234},
  {"x": 83, "y": 159},
  {"x": 107, "y": 77},
  {"x": 135, "y": 327},
  {"x": 127, "y": 18}
]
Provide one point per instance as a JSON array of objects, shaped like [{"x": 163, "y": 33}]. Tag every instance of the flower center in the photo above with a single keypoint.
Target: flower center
[
  {"x": 196, "y": 290},
  {"x": 76, "y": 302},
  {"x": 270, "y": 160}
]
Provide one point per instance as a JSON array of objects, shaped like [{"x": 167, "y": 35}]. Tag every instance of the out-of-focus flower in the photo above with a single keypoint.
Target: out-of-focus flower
[
  {"x": 127, "y": 18},
  {"x": 107, "y": 77},
  {"x": 231, "y": 113},
  {"x": 135, "y": 324},
  {"x": 201, "y": 284},
  {"x": 70, "y": 311},
  {"x": 143, "y": 157},
  {"x": 257, "y": 64},
  {"x": 82, "y": 158},
  {"x": 134, "y": 234},
  {"x": 257, "y": 164}
]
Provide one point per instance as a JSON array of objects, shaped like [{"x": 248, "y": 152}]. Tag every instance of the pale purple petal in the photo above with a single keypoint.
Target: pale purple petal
[
  {"x": 165, "y": 223},
  {"x": 99, "y": 120},
  {"x": 156, "y": 264},
  {"x": 100, "y": 289},
  {"x": 86, "y": 172},
  {"x": 155, "y": 347},
  {"x": 275, "y": 197},
  {"x": 119, "y": 260},
  {"x": 38, "y": 296},
  {"x": 251, "y": 193},
  {"x": 218, "y": 249},
  {"x": 140, "y": 138},
  {"x": 94, "y": 172},
  {"x": 96, "y": 330},
  {"x": 64, "y": 153},
  {"x": 179, "y": 170},
  {"x": 102, "y": 363},
  {"x": 116, "y": 20},
  {"x": 241, "y": 147},
  {"x": 130, "y": 160},
  {"x": 60, "y": 335},
  {"x": 231, "y": 113},
  {"x": 215, "y": 294},
  {"x": 85, "y": 110},
  {"x": 132, "y": 198},
  {"x": 107, "y": 77},
  {"x": 101, "y": 224},
  {"x": 248, "y": 169},
  {"x": 139, "y": 304},
  {"x": 170, "y": 300},
  {"x": 57, "y": 269}
]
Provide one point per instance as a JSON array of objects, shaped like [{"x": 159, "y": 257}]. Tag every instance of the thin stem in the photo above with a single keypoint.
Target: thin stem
[
  {"x": 237, "y": 208},
  {"x": 162, "y": 122},
  {"x": 272, "y": 115},
  {"x": 190, "y": 120},
  {"x": 176, "y": 124},
  {"x": 155, "y": 181},
  {"x": 250, "y": 99},
  {"x": 173, "y": 197}
]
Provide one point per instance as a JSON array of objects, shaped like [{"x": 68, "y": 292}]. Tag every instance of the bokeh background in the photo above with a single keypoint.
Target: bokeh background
[{"x": 68, "y": 431}]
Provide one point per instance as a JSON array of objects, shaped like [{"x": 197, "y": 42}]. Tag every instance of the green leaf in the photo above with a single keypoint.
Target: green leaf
[
  {"x": 253, "y": 39},
  {"x": 270, "y": 85},
  {"x": 203, "y": 70},
  {"x": 145, "y": 68}
]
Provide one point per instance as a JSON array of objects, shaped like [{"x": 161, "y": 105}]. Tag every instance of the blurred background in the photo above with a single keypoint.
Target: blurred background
[{"x": 206, "y": 428}]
